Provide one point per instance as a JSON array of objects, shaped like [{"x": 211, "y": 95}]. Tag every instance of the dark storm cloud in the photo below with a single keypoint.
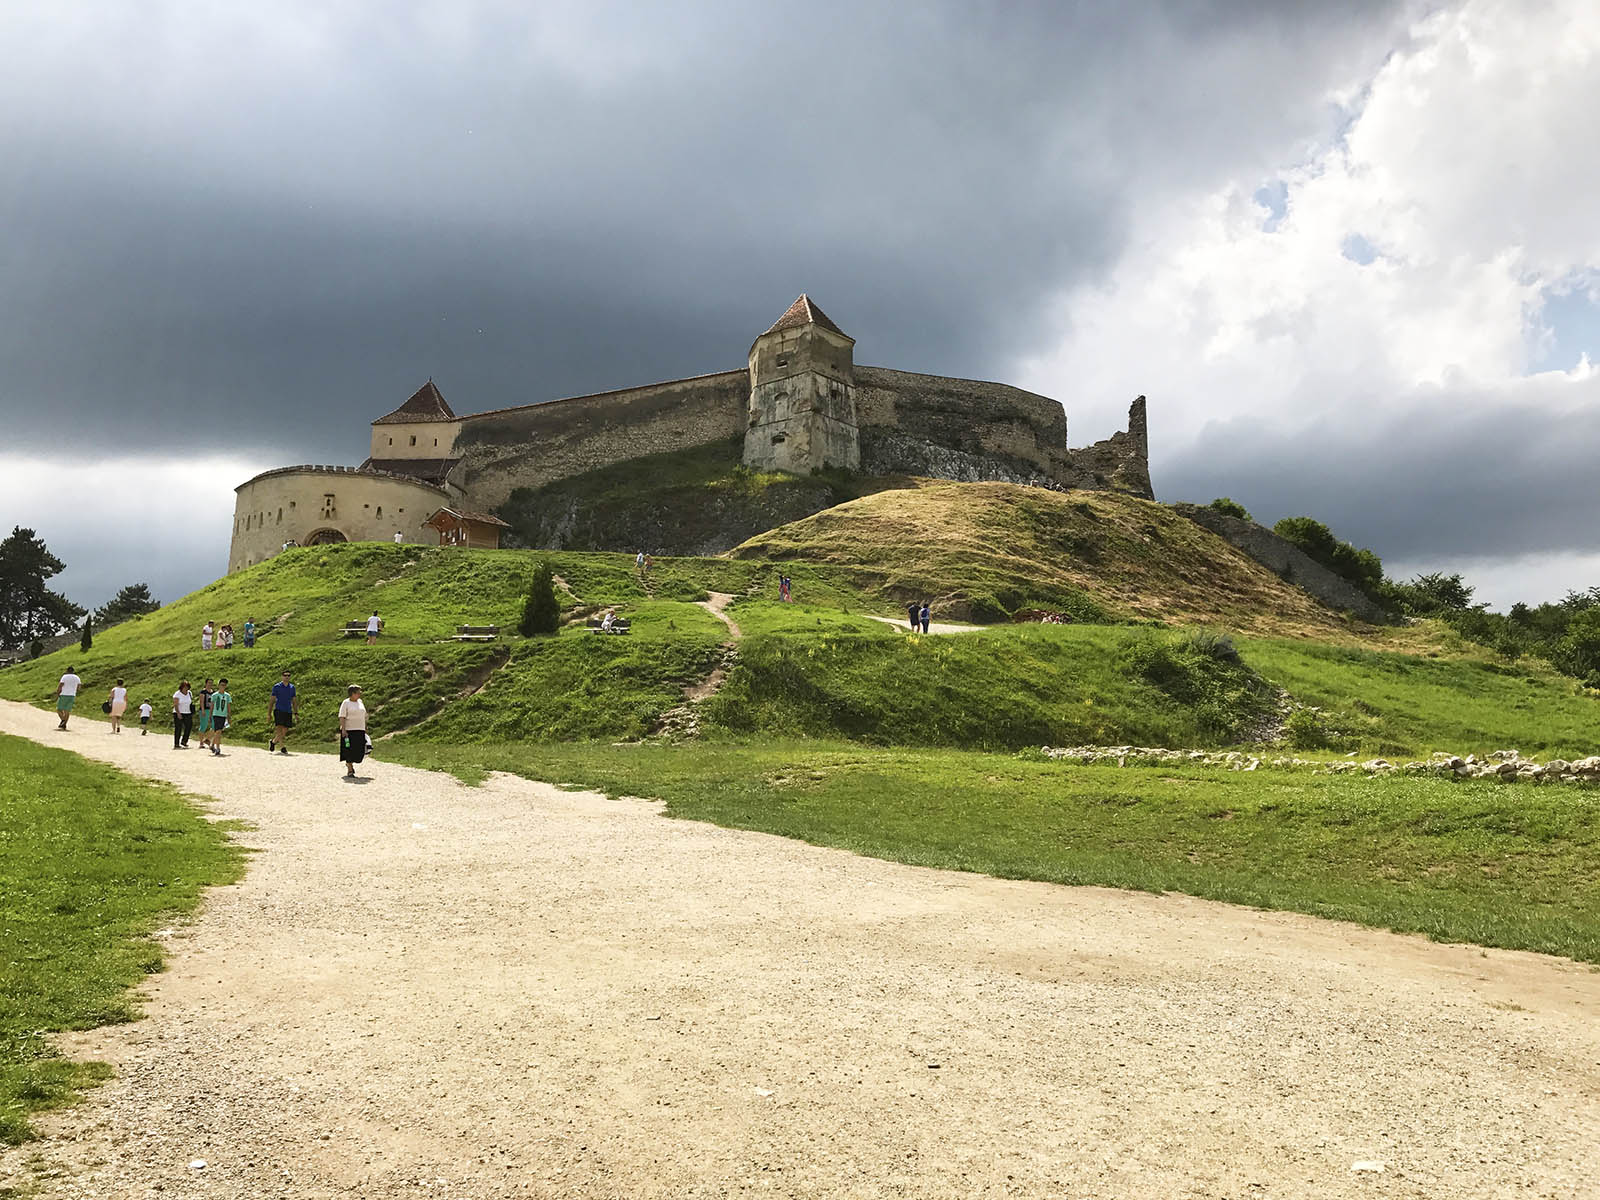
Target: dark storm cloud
[
  {"x": 261, "y": 229},
  {"x": 1429, "y": 480}
]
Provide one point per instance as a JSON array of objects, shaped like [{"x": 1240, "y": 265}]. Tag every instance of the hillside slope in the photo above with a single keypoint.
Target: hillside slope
[{"x": 985, "y": 550}]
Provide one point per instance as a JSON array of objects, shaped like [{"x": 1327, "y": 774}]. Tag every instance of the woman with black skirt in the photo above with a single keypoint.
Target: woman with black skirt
[{"x": 352, "y": 731}]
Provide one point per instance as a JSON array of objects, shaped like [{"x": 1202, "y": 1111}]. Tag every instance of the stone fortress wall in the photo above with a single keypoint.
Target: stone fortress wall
[
  {"x": 293, "y": 504},
  {"x": 800, "y": 404}
]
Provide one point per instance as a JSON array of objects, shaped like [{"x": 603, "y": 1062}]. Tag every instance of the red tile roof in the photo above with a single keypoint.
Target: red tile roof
[
  {"x": 426, "y": 404},
  {"x": 433, "y": 470},
  {"x": 804, "y": 312}
]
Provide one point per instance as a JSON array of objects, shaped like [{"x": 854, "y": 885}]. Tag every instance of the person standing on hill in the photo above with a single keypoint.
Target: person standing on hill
[
  {"x": 352, "y": 731},
  {"x": 638, "y": 562},
  {"x": 182, "y": 716},
  {"x": 119, "y": 705},
  {"x": 205, "y": 636},
  {"x": 924, "y": 614},
  {"x": 249, "y": 633},
  {"x": 67, "y": 695},
  {"x": 221, "y": 701},
  {"x": 373, "y": 626},
  {"x": 399, "y": 538},
  {"x": 284, "y": 706}
]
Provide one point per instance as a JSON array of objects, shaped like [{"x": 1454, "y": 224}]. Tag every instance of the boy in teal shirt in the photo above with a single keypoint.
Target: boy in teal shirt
[{"x": 221, "y": 700}]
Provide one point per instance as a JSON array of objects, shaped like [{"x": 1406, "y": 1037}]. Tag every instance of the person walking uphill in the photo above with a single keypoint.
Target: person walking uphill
[
  {"x": 119, "y": 705},
  {"x": 221, "y": 703},
  {"x": 374, "y": 624},
  {"x": 67, "y": 695},
  {"x": 352, "y": 731},
  {"x": 284, "y": 706},
  {"x": 182, "y": 716}
]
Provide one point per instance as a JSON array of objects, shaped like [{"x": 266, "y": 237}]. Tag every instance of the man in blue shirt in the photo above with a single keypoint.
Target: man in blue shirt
[{"x": 284, "y": 706}]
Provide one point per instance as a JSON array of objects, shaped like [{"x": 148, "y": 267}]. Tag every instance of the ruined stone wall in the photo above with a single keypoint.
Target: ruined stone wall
[
  {"x": 970, "y": 430},
  {"x": 910, "y": 424},
  {"x": 1120, "y": 463},
  {"x": 540, "y": 443},
  {"x": 1287, "y": 560}
]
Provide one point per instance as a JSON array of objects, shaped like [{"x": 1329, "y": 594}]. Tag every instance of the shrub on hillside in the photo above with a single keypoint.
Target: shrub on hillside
[
  {"x": 87, "y": 640},
  {"x": 541, "y": 612},
  {"x": 1304, "y": 730},
  {"x": 1203, "y": 671},
  {"x": 1229, "y": 507},
  {"x": 1360, "y": 567}
]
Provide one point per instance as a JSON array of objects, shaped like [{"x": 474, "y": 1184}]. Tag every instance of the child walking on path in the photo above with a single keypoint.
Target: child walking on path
[
  {"x": 221, "y": 701},
  {"x": 144, "y": 718},
  {"x": 202, "y": 714}
]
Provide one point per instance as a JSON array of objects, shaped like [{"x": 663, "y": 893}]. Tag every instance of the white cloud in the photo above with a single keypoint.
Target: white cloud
[
  {"x": 1464, "y": 167},
  {"x": 115, "y": 521},
  {"x": 1418, "y": 265}
]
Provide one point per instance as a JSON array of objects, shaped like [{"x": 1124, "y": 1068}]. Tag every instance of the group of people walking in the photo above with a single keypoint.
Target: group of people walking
[
  {"x": 209, "y": 713},
  {"x": 917, "y": 616}
]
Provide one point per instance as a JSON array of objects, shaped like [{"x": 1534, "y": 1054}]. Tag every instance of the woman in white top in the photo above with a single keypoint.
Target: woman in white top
[
  {"x": 119, "y": 705},
  {"x": 205, "y": 636},
  {"x": 352, "y": 731}
]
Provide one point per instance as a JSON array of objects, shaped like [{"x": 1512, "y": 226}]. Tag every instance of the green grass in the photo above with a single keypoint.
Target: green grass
[
  {"x": 1002, "y": 688},
  {"x": 1408, "y": 704},
  {"x": 90, "y": 862},
  {"x": 1488, "y": 863}
]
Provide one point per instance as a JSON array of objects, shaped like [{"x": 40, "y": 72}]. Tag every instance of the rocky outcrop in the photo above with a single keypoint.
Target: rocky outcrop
[{"x": 1287, "y": 561}]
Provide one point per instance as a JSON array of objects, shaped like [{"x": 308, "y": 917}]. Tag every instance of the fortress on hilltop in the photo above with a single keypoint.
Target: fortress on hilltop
[{"x": 800, "y": 405}]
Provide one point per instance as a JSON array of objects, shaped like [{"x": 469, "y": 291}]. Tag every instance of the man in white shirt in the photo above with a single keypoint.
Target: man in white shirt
[
  {"x": 399, "y": 537},
  {"x": 373, "y": 625},
  {"x": 67, "y": 694}
]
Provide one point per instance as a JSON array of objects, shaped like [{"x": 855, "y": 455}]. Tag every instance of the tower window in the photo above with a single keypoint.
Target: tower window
[
  {"x": 776, "y": 438},
  {"x": 280, "y": 516},
  {"x": 380, "y": 510},
  {"x": 783, "y": 360},
  {"x": 327, "y": 504},
  {"x": 413, "y": 439},
  {"x": 391, "y": 441}
]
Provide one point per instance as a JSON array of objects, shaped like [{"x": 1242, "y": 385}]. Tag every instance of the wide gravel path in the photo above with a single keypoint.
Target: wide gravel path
[{"x": 422, "y": 989}]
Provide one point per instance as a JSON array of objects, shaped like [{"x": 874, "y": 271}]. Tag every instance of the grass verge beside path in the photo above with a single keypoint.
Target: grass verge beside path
[
  {"x": 91, "y": 861},
  {"x": 1488, "y": 863}
]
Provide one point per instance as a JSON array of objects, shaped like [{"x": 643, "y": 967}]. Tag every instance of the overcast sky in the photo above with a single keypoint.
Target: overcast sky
[{"x": 1348, "y": 251}]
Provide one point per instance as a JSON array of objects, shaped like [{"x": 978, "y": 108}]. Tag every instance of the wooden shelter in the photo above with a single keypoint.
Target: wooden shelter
[{"x": 463, "y": 527}]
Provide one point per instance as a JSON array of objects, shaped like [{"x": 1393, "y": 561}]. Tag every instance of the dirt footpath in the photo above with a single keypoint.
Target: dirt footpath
[{"x": 422, "y": 989}]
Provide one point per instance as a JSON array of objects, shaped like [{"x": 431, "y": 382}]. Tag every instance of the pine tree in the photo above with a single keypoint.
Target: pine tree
[
  {"x": 132, "y": 601},
  {"x": 542, "y": 611},
  {"x": 87, "y": 639}
]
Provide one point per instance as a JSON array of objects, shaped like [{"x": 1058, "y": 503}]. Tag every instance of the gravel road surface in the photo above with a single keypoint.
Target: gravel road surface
[{"x": 423, "y": 989}]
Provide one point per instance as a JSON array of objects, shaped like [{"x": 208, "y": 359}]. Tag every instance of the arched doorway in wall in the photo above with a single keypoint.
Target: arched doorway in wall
[{"x": 325, "y": 537}]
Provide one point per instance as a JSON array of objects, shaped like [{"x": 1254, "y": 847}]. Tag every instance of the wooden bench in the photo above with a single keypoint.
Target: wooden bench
[
  {"x": 351, "y": 629},
  {"x": 620, "y": 625},
  {"x": 476, "y": 633}
]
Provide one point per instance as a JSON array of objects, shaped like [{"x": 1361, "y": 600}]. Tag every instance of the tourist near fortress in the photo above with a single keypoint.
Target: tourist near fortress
[{"x": 801, "y": 404}]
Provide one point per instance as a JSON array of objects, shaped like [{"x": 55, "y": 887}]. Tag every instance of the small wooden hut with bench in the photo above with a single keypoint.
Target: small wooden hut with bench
[{"x": 463, "y": 527}]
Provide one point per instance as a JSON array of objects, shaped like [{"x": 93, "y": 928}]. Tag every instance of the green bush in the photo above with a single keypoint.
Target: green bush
[
  {"x": 1202, "y": 671},
  {"x": 542, "y": 611},
  {"x": 1231, "y": 508},
  {"x": 1360, "y": 567},
  {"x": 1304, "y": 730}
]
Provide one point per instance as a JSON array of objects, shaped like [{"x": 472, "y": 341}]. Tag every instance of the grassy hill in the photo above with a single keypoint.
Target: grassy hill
[
  {"x": 823, "y": 667},
  {"x": 986, "y": 550}
]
